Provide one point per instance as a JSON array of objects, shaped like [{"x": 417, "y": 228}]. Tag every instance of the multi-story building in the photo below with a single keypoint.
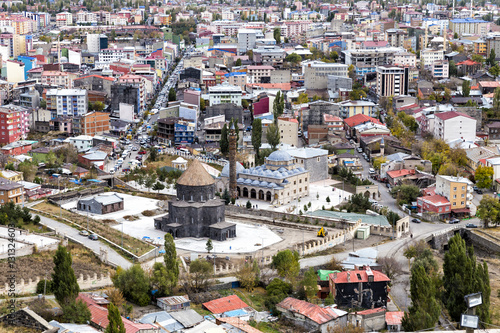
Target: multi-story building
[
  {"x": 440, "y": 69},
  {"x": 260, "y": 74},
  {"x": 492, "y": 43},
  {"x": 457, "y": 190},
  {"x": 10, "y": 191},
  {"x": 64, "y": 19},
  {"x": 405, "y": 59},
  {"x": 66, "y": 102},
  {"x": 316, "y": 73},
  {"x": 367, "y": 60},
  {"x": 428, "y": 56},
  {"x": 480, "y": 47},
  {"x": 453, "y": 125},
  {"x": 107, "y": 56},
  {"x": 184, "y": 132},
  {"x": 269, "y": 55},
  {"x": 392, "y": 80},
  {"x": 14, "y": 123},
  {"x": 97, "y": 42},
  {"x": 58, "y": 79},
  {"x": 139, "y": 82},
  {"x": 224, "y": 93},
  {"x": 396, "y": 37},
  {"x": 469, "y": 26},
  {"x": 352, "y": 108},
  {"x": 247, "y": 38},
  {"x": 335, "y": 124},
  {"x": 289, "y": 130},
  {"x": 94, "y": 123},
  {"x": 15, "y": 71}
]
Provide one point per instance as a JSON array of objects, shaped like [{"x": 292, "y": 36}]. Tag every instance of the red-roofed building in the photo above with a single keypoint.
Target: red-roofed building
[
  {"x": 434, "y": 204},
  {"x": 99, "y": 318},
  {"x": 467, "y": 67},
  {"x": 334, "y": 123},
  {"x": 370, "y": 320},
  {"x": 453, "y": 125},
  {"x": 393, "y": 320},
  {"x": 225, "y": 304},
  {"x": 356, "y": 120},
  {"x": 488, "y": 86},
  {"x": 360, "y": 288},
  {"x": 393, "y": 177},
  {"x": 311, "y": 317}
]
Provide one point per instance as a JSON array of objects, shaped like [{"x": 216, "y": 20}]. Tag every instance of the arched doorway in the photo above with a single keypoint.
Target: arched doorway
[
  {"x": 253, "y": 194},
  {"x": 261, "y": 195},
  {"x": 238, "y": 191},
  {"x": 268, "y": 196},
  {"x": 374, "y": 196},
  {"x": 367, "y": 194},
  {"x": 245, "y": 192}
]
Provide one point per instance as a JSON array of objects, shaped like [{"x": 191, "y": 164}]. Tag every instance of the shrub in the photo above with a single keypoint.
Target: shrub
[
  {"x": 41, "y": 285},
  {"x": 249, "y": 204},
  {"x": 149, "y": 213}
]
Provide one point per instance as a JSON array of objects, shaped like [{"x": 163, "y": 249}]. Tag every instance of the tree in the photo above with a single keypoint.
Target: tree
[
  {"x": 492, "y": 58},
  {"x": 28, "y": 169},
  {"x": 466, "y": 88},
  {"x": 310, "y": 283},
  {"x": 462, "y": 275},
  {"x": 277, "y": 290},
  {"x": 257, "y": 135},
  {"x": 209, "y": 245},
  {"x": 377, "y": 162},
  {"x": 494, "y": 70},
  {"x": 238, "y": 62},
  {"x": 334, "y": 55},
  {"x": 303, "y": 98},
  {"x": 489, "y": 210},
  {"x": 496, "y": 100},
  {"x": 65, "y": 287},
  {"x": 172, "y": 96},
  {"x": 452, "y": 68},
  {"x": 115, "y": 296},
  {"x": 293, "y": 58},
  {"x": 43, "y": 103},
  {"x": 390, "y": 267},
  {"x": 134, "y": 284},
  {"x": 406, "y": 194},
  {"x": 278, "y": 106},
  {"x": 484, "y": 176},
  {"x": 224, "y": 140},
  {"x": 277, "y": 35},
  {"x": 115, "y": 320},
  {"x": 161, "y": 279},
  {"x": 158, "y": 187},
  {"x": 170, "y": 259},
  {"x": 203, "y": 104},
  {"x": 244, "y": 103},
  {"x": 248, "y": 276},
  {"x": 478, "y": 58},
  {"x": 352, "y": 71},
  {"x": 287, "y": 264},
  {"x": 273, "y": 135},
  {"x": 200, "y": 272}
]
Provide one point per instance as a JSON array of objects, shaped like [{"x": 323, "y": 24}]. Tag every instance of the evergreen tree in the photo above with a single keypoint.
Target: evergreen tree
[
  {"x": 172, "y": 96},
  {"x": 277, "y": 35},
  {"x": 466, "y": 88},
  {"x": 491, "y": 59},
  {"x": 256, "y": 135},
  {"x": 209, "y": 245},
  {"x": 238, "y": 62},
  {"x": 64, "y": 283},
  {"x": 224, "y": 140},
  {"x": 170, "y": 259},
  {"x": 463, "y": 276},
  {"x": 310, "y": 283},
  {"x": 115, "y": 320},
  {"x": 273, "y": 135}
]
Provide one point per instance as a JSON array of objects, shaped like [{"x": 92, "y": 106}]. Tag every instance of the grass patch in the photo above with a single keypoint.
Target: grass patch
[
  {"x": 37, "y": 228},
  {"x": 265, "y": 327},
  {"x": 149, "y": 213},
  {"x": 131, "y": 217},
  {"x": 198, "y": 308},
  {"x": 255, "y": 299},
  {"x": 134, "y": 245},
  {"x": 348, "y": 187}
]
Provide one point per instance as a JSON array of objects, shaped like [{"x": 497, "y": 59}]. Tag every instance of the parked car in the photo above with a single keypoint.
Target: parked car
[
  {"x": 479, "y": 191},
  {"x": 454, "y": 221},
  {"x": 475, "y": 188},
  {"x": 470, "y": 225},
  {"x": 84, "y": 232},
  {"x": 416, "y": 221},
  {"x": 142, "y": 152},
  {"x": 93, "y": 237}
]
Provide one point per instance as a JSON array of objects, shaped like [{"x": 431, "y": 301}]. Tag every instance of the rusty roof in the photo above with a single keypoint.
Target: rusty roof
[
  {"x": 239, "y": 324},
  {"x": 312, "y": 311},
  {"x": 358, "y": 275},
  {"x": 225, "y": 304},
  {"x": 195, "y": 175},
  {"x": 394, "y": 317}
]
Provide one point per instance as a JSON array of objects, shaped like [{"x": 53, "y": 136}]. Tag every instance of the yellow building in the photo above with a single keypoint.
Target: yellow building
[
  {"x": 457, "y": 190},
  {"x": 13, "y": 176},
  {"x": 289, "y": 131},
  {"x": 19, "y": 45},
  {"x": 480, "y": 47}
]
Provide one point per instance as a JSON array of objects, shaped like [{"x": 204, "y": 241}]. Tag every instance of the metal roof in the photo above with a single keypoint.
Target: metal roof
[
  {"x": 225, "y": 304},
  {"x": 187, "y": 318}
]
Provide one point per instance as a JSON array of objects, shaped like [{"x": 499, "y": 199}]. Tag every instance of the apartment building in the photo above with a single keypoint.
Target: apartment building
[
  {"x": 396, "y": 37},
  {"x": 139, "y": 82},
  {"x": 316, "y": 73},
  {"x": 66, "y": 102},
  {"x": 260, "y": 74},
  {"x": 14, "y": 123},
  {"x": 458, "y": 190},
  {"x": 367, "y": 60},
  {"x": 58, "y": 79},
  {"x": 224, "y": 93},
  {"x": 440, "y": 69},
  {"x": 469, "y": 26},
  {"x": 97, "y": 42},
  {"x": 289, "y": 131},
  {"x": 392, "y": 80},
  {"x": 453, "y": 125},
  {"x": 94, "y": 123},
  {"x": 64, "y": 19},
  {"x": 405, "y": 59},
  {"x": 10, "y": 191}
]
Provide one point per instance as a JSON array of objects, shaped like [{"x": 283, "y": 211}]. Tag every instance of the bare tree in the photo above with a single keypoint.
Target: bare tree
[{"x": 390, "y": 267}]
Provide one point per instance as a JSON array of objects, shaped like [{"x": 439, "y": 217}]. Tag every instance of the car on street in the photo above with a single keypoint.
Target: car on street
[
  {"x": 454, "y": 221},
  {"x": 479, "y": 191},
  {"x": 84, "y": 233},
  {"x": 93, "y": 237},
  {"x": 470, "y": 225},
  {"x": 416, "y": 221}
]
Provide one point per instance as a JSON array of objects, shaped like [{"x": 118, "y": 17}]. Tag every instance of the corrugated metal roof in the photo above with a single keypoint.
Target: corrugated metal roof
[
  {"x": 164, "y": 319},
  {"x": 356, "y": 276},
  {"x": 173, "y": 300},
  {"x": 188, "y": 318},
  {"x": 312, "y": 311},
  {"x": 225, "y": 304}
]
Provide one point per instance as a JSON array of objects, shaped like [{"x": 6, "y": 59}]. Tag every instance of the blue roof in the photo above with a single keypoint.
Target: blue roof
[
  {"x": 467, "y": 20},
  {"x": 235, "y": 313},
  {"x": 235, "y": 74}
]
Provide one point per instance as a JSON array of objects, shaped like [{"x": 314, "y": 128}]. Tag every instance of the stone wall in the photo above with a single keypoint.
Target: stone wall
[{"x": 86, "y": 282}]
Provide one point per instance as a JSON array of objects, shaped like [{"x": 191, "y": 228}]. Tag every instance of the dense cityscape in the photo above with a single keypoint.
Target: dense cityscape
[{"x": 249, "y": 166}]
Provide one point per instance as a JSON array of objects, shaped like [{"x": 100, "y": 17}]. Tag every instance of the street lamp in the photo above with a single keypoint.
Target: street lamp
[{"x": 469, "y": 320}]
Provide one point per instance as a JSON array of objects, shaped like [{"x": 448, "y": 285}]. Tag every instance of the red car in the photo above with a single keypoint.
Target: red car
[
  {"x": 139, "y": 158},
  {"x": 142, "y": 152}
]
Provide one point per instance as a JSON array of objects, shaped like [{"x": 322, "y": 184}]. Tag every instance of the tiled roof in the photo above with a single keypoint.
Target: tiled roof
[
  {"x": 241, "y": 325},
  {"x": 360, "y": 119},
  {"x": 435, "y": 199},
  {"x": 489, "y": 84},
  {"x": 312, "y": 311},
  {"x": 370, "y": 311},
  {"x": 451, "y": 114},
  {"x": 400, "y": 173},
  {"x": 98, "y": 76},
  {"x": 394, "y": 317},
  {"x": 357, "y": 276},
  {"x": 224, "y": 304}
]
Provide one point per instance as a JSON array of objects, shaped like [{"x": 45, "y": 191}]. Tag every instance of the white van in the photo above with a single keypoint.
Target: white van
[{"x": 371, "y": 171}]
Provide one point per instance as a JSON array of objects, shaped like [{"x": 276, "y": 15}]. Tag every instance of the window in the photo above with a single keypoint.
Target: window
[
  {"x": 454, "y": 204},
  {"x": 454, "y": 196},
  {"x": 454, "y": 189},
  {"x": 462, "y": 203},
  {"x": 463, "y": 187}
]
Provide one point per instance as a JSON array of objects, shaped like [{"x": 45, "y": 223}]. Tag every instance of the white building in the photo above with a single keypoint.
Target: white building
[
  {"x": 82, "y": 142},
  {"x": 247, "y": 39},
  {"x": 316, "y": 73},
  {"x": 64, "y": 19},
  {"x": 69, "y": 102},
  {"x": 405, "y": 59},
  {"x": 440, "y": 69},
  {"x": 224, "y": 93},
  {"x": 107, "y": 56},
  {"x": 428, "y": 56},
  {"x": 454, "y": 125},
  {"x": 94, "y": 42}
]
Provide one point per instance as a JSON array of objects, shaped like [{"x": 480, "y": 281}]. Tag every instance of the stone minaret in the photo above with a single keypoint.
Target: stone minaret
[{"x": 232, "y": 162}]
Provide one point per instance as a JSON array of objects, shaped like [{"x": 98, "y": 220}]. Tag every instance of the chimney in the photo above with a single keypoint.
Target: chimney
[{"x": 348, "y": 277}]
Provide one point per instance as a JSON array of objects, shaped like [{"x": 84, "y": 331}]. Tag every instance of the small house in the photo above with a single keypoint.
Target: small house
[
  {"x": 101, "y": 204},
  {"x": 173, "y": 303}
]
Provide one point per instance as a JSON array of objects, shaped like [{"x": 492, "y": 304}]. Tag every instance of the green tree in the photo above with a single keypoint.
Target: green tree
[
  {"x": 310, "y": 283},
  {"x": 64, "y": 283},
  {"x": 248, "y": 276},
  {"x": 134, "y": 284},
  {"x": 115, "y": 320},
  {"x": 158, "y": 187},
  {"x": 256, "y": 135},
  {"x": 244, "y": 103},
  {"x": 351, "y": 71},
  {"x": 224, "y": 140},
  {"x": 277, "y": 290},
  {"x": 406, "y": 194},
  {"x": 484, "y": 176},
  {"x": 494, "y": 70},
  {"x": 462, "y": 275},
  {"x": 287, "y": 264},
  {"x": 238, "y": 62},
  {"x": 277, "y": 35},
  {"x": 496, "y": 100},
  {"x": 278, "y": 107},
  {"x": 200, "y": 272},
  {"x": 161, "y": 279},
  {"x": 377, "y": 162},
  {"x": 489, "y": 210},
  {"x": 466, "y": 88},
  {"x": 170, "y": 259},
  {"x": 303, "y": 98},
  {"x": 478, "y": 58},
  {"x": 43, "y": 103},
  {"x": 209, "y": 245},
  {"x": 172, "y": 96},
  {"x": 334, "y": 55},
  {"x": 273, "y": 135},
  {"x": 293, "y": 58},
  {"x": 452, "y": 68},
  {"x": 203, "y": 104},
  {"x": 492, "y": 58}
]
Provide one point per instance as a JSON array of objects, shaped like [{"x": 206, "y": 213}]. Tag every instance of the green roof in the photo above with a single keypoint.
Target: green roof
[
  {"x": 379, "y": 220},
  {"x": 323, "y": 274}
]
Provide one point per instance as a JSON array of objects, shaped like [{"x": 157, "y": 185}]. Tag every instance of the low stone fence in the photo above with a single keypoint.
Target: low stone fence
[
  {"x": 56, "y": 198},
  {"x": 86, "y": 282}
]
